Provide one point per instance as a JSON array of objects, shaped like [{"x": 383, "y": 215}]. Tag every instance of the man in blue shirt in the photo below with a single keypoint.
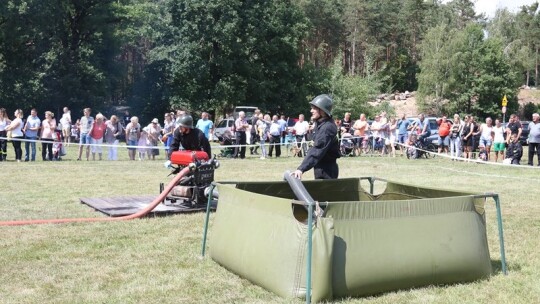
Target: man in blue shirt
[
  {"x": 403, "y": 129},
  {"x": 31, "y": 130},
  {"x": 206, "y": 125},
  {"x": 421, "y": 126},
  {"x": 283, "y": 128}
]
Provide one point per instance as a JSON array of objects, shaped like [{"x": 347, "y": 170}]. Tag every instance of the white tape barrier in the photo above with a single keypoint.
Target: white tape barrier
[
  {"x": 504, "y": 177},
  {"x": 144, "y": 147},
  {"x": 37, "y": 141},
  {"x": 288, "y": 144},
  {"x": 470, "y": 160}
]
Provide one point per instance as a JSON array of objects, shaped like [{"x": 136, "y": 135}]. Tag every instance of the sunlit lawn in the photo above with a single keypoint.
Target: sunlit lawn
[{"x": 157, "y": 260}]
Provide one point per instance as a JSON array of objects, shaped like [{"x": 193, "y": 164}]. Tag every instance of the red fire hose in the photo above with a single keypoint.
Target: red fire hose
[{"x": 139, "y": 214}]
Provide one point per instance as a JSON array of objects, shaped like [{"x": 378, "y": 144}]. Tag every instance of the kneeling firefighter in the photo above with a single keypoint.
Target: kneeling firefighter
[
  {"x": 190, "y": 190},
  {"x": 325, "y": 151},
  {"x": 189, "y": 138}
]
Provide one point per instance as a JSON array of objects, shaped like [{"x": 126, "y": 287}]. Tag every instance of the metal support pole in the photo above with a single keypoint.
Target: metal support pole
[
  {"x": 210, "y": 197},
  {"x": 309, "y": 252},
  {"x": 499, "y": 226},
  {"x": 501, "y": 236},
  {"x": 302, "y": 195}
]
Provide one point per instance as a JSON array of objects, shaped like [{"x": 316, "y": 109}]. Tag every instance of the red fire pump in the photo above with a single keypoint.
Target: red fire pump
[
  {"x": 184, "y": 157},
  {"x": 190, "y": 190}
]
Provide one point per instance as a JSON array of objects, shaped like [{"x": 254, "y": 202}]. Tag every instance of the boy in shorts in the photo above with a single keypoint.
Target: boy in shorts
[{"x": 498, "y": 140}]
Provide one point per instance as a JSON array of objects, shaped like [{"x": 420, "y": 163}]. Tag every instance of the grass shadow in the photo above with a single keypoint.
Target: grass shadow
[{"x": 496, "y": 266}]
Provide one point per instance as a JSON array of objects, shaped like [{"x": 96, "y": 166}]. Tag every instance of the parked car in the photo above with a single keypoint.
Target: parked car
[
  {"x": 433, "y": 126},
  {"x": 227, "y": 124}
]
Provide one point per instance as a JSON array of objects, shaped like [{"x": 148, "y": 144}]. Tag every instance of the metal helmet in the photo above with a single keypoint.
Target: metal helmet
[
  {"x": 186, "y": 121},
  {"x": 323, "y": 102}
]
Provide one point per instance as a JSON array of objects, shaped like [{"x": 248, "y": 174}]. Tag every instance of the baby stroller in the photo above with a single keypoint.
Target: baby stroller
[
  {"x": 346, "y": 145},
  {"x": 226, "y": 140},
  {"x": 58, "y": 147}
]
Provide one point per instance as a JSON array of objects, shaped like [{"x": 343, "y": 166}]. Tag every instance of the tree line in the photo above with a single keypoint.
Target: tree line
[{"x": 157, "y": 55}]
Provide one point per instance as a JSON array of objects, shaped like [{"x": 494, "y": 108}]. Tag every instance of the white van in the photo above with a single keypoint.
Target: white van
[{"x": 247, "y": 109}]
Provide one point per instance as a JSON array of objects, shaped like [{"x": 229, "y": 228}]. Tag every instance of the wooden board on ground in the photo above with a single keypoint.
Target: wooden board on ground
[{"x": 127, "y": 205}]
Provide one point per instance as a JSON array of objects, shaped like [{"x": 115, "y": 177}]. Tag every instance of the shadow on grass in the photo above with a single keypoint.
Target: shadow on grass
[{"x": 497, "y": 267}]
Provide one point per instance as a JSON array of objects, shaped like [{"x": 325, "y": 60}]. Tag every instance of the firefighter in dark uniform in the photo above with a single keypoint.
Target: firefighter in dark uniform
[
  {"x": 325, "y": 151},
  {"x": 189, "y": 138}
]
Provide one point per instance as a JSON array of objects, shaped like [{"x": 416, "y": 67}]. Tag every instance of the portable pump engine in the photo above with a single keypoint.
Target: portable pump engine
[{"x": 190, "y": 191}]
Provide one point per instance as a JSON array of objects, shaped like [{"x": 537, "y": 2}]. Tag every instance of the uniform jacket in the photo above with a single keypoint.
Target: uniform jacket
[
  {"x": 194, "y": 140},
  {"x": 325, "y": 148}
]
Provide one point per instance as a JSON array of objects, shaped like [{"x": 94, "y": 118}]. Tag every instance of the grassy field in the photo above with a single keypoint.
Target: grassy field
[{"x": 157, "y": 260}]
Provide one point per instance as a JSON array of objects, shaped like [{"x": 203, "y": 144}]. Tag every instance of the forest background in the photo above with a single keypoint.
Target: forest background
[{"x": 157, "y": 55}]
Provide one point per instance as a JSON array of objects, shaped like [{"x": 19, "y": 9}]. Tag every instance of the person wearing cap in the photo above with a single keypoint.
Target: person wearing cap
[
  {"x": 240, "y": 128},
  {"x": 154, "y": 130},
  {"x": 322, "y": 157},
  {"x": 189, "y": 138}
]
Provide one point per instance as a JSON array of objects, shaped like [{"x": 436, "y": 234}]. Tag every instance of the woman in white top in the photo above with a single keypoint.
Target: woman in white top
[
  {"x": 486, "y": 136},
  {"x": 4, "y": 122},
  {"x": 498, "y": 140},
  {"x": 455, "y": 137},
  {"x": 65, "y": 121},
  {"x": 16, "y": 133},
  {"x": 392, "y": 127}
]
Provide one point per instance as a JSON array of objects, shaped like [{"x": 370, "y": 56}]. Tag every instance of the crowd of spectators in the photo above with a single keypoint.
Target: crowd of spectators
[
  {"x": 92, "y": 134},
  {"x": 462, "y": 138}
]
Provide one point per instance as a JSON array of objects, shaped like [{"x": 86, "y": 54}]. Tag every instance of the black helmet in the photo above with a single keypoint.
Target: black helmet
[
  {"x": 186, "y": 121},
  {"x": 323, "y": 102}
]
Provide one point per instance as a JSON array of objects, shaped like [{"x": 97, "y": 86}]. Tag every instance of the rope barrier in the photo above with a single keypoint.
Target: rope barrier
[
  {"x": 142, "y": 147},
  {"x": 287, "y": 145},
  {"x": 469, "y": 160}
]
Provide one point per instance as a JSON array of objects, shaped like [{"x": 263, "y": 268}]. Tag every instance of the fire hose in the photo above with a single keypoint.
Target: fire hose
[{"x": 136, "y": 215}]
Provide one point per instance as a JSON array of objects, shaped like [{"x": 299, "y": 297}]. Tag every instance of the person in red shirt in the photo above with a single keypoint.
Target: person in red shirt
[
  {"x": 444, "y": 131},
  {"x": 97, "y": 133}
]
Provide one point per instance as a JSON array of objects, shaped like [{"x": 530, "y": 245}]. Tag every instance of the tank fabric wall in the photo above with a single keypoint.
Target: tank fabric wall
[
  {"x": 390, "y": 245},
  {"x": 347, "y": 189},
  {"x": 363, "y": 245},
  {"x": 256, "y": 237}
]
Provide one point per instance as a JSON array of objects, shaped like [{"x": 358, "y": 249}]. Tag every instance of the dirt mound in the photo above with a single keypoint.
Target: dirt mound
[
  {"x": 403, "y": 103},
  {"x": 527, "y": 95},
  {"x": 407, "y": 106},
  {"x": 406, "y": 102}
]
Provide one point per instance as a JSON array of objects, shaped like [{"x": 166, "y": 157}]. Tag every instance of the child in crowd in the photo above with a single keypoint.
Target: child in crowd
[
  {"x": 514, "y": 151},
  {"x": 482, "y": 155},
  {"x": 75, "y": 130},
  {"x": 143, "y": 145},
  {"x": 411, "y": 146}
]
